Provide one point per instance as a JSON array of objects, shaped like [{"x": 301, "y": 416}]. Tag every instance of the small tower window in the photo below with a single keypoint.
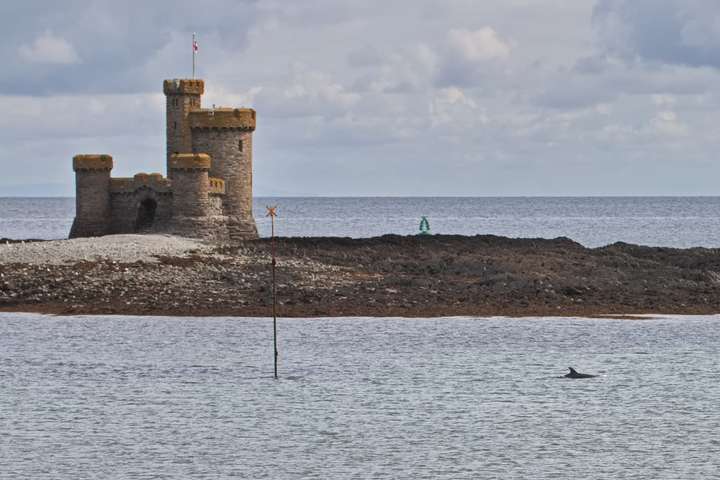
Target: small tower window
[
  {"x": 174, "y": 125},
  {"x": 240, "y": 145}
]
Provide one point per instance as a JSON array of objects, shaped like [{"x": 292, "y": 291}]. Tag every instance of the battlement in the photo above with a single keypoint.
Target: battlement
[
  {"x": 217, "y": 186},
  {"x": 183, "y": 86},
  {"x": 207, "y": 188},
  {"x": 190, "y": 161},
  {"x": 92, "y": 162},
  {"x": 223, "y": 118},
  {"x": 154, "y": 181}
]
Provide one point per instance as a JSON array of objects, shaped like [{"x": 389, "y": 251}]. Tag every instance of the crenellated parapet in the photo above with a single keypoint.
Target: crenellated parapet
[
  {"x": 191, "y": 188},
  {"x": 154, "y": 181},
  {"x": 223, "y": 118},
  {"x": 226, "y": 135},
  {"x": 182, "y": 96},
  {"x": 92, "y": 195},
  {"x": 92, "y": 163},
  {"x": 183, "y": 86},
  {"x": 207, "y": 188},
  {"x": 217, "y": 186},
  {"x": 190, "y": 161}
]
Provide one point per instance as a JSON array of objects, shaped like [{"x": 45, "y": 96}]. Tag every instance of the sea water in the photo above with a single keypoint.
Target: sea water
[
  {"x": 124, "y": 397},
  {"x": 459, "y": 398},
  {"x": 592, "y": 221}
]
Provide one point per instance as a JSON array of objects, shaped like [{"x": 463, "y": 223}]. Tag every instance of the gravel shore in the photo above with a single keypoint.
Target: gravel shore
[
  {"x": 415, "y": 276},
  {"x": 118, "y": 248}
]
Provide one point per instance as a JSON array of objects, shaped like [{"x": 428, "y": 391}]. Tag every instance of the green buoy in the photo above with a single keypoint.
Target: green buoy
[{"x": 424, "y": 226}]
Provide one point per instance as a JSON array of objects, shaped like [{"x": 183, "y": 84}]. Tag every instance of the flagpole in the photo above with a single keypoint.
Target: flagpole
[{"x": 193, "y": 49}]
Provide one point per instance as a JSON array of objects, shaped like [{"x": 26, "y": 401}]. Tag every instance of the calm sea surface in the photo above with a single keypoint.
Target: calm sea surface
[
  {"x": 132, "y": 398},
  {"x": 141, "y": 398},
  {"x": 592, "y": 221}
]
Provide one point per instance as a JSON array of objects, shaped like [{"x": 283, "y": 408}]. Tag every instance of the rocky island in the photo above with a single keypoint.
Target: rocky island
[{"x": 413, "y": 276}]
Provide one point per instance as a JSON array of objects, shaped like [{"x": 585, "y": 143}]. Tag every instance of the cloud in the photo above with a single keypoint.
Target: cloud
[
  {"x": 452, "y": 106},
  {"x": 406, "y": 71},
  {"x": 484, "y": 97},
  {"x": 460, "y": 58},
  {"x": 678, "y": 32},
  {"x": 306, "y": 93},
  {"x": 593, "y": 80},
  {"x": 101, "y": 46},
  {"x": 48, "y": 48},
  {"x": 667, "y": 124},
  {"x": 477, "y": 45},
  {"x": 366, "y": 56},
  {"x": 469, "y": 57}
]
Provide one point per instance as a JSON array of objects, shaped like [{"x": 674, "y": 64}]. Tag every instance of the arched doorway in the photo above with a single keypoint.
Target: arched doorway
[{"x": 145, "y": 215}]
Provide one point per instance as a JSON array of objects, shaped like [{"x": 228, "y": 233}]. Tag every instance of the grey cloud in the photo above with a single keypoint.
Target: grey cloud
[
  {"x": 591, "y": 65},
  {"x": 463, "y": 57},
  {"x": 592, "y": 81},
  {"x": 365, "y": 56},
  {"x": 469, "y": 57},
  {"x": 113, "y": 45},
  {"x": 319, "y": 12},
  {"x": 574, "y": 93},
  {"x": 346, "y": 89},
  {"x": 681, "y": 32}
]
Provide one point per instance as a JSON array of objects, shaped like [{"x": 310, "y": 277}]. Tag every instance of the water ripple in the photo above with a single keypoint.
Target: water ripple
[{"x": 118, "y": 397}]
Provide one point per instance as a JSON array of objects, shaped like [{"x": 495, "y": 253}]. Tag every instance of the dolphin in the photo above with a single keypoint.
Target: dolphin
[{"x": 574, "y": 374}]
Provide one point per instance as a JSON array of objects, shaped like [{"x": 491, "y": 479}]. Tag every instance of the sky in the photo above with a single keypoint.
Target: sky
[{"x": 370, "y": 97}]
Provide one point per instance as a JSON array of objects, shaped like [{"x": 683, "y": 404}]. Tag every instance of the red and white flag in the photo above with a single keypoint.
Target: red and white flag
[{"x": 195, "y": 48}]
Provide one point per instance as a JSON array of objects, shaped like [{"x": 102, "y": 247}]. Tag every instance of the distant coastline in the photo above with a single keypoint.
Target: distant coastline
[{"x": 413, "y": 276}]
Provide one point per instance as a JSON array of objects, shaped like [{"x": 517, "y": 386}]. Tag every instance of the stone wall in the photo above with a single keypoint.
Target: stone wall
[
  {"x": 190, "y": 184},
  {"x": 182, "y": 97},
  {"x": 216, "y": 205},
  {"x": 226, "y": 135},
  {"x": 222, "y": 117},
  {"x": 126, "y": 207},
  {"x": 208, "y": 189},
  {"x": 196, "y": 212},
  {"x": 92, "y": 195}
]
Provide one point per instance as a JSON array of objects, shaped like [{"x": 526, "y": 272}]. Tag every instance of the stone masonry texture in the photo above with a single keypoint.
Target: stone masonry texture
[{"x": 208, "y": 189}]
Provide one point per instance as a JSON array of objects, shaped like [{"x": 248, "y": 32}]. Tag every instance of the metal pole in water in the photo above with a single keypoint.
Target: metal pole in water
[{"x": 272, "y": 213}]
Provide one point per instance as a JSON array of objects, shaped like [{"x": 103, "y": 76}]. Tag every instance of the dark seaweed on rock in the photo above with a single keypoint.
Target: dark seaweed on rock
[{"x": 391, "y": 275}]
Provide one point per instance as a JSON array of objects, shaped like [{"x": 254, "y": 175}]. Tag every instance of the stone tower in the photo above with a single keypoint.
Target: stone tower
[
  {"x": 181, "y": 97},
  {"x": 92, "y": 195},
  {"x": 208, "y": 190},
  {"x": 226, "y": 135},
  {"x": 191, "y": 199}
]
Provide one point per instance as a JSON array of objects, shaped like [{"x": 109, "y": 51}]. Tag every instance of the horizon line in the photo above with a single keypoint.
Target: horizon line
[{"x": 431, "y": 196}]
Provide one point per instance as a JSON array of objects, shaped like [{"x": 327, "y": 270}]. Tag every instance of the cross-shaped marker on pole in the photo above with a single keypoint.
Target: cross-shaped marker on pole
[{"x": 272, "y": 213}]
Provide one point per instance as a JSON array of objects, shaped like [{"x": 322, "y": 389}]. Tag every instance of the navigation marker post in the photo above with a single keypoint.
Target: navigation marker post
[
  {"x": 424, "y": 226},
  {"x": 272, "y": 213}
]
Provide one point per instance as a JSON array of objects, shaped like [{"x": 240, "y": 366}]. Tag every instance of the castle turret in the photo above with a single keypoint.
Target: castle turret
[
  {"x": 92, "y": 195},
  {"x": 190, "y": 184},
  {"x": 182, "y": 96},
  {"x": 226, "y": 135},
  {"x": 191, "y": 199},
  {"x": 208, "y": 189}
]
